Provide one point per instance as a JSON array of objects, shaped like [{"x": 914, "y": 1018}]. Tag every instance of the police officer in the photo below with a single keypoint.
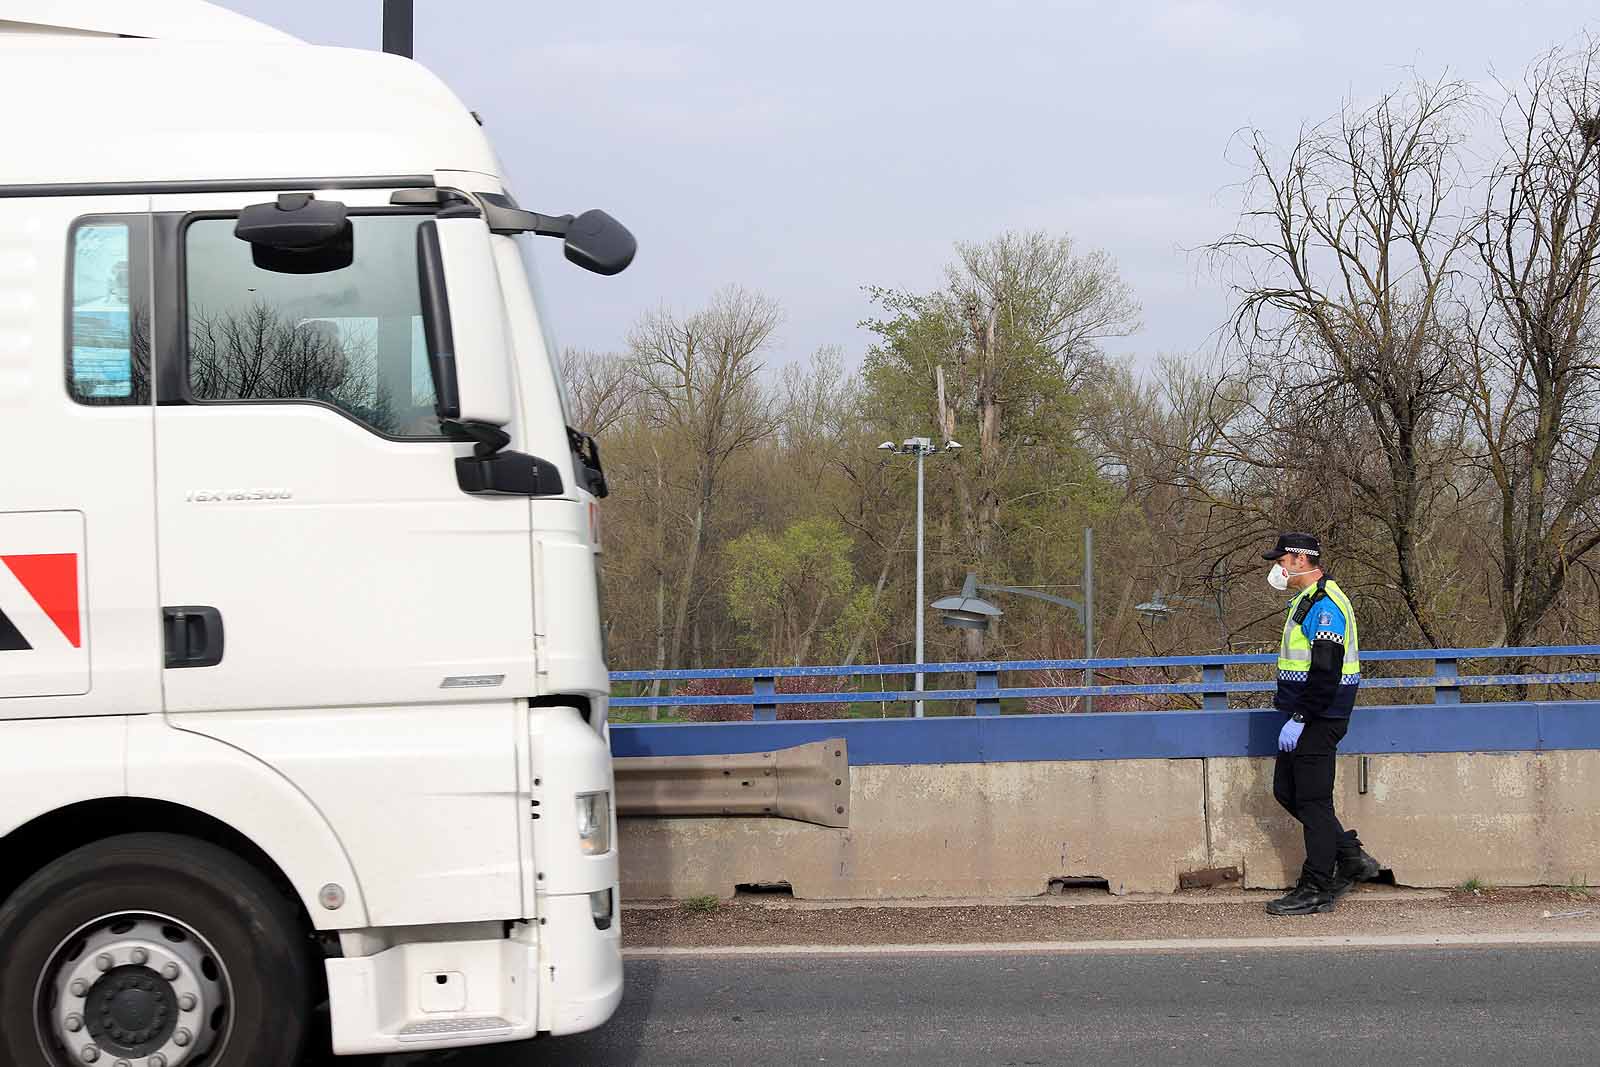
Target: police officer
[{"x": 1319, "y": 672}]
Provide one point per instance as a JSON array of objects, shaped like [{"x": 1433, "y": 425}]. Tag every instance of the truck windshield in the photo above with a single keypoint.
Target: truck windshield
[{"x": 350, "y": 338}]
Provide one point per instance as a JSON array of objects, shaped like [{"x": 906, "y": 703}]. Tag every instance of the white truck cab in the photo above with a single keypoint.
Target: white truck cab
[{"x": 302, "y": 686}]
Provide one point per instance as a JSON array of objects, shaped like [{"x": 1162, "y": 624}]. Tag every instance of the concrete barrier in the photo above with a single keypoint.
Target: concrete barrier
[
  {"x": 1006, "y": 829},
  {"x": 938, "y": 830},
  {"x": 1436, "y": 819}
]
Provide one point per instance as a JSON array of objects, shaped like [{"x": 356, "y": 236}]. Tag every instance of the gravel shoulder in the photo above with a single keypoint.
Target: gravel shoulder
[{"x": 1368, "y": 911}]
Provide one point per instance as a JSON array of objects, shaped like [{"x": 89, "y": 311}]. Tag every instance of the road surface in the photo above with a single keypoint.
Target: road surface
[{"x": 1495, "y": 1005}]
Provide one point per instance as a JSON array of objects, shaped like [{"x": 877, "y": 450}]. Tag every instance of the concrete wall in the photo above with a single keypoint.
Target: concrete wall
[
  {"x": 1005, "y": 829},
  {"x": 1435, "y": 819},
  {"x": 967, "y": 829}
]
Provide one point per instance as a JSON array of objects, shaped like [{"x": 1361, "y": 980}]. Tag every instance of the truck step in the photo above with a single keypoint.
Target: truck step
[{"x": 428, "y": 1029}]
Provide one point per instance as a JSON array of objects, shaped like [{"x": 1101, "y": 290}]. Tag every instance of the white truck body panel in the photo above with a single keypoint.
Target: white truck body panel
[
  {"x": 447, "y": 844},
  {"x": 48, "y": 765},
  {"x": 266, "y": 111},
  {"x": 241, "y": 790},
  {"x": 411, "y": 693},
  {"x": 65, "y": 457},
  {"x": 91, "y": 754}
]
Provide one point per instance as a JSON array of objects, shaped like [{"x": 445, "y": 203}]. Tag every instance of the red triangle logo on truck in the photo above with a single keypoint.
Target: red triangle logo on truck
[{"x": 52, "y": 581}]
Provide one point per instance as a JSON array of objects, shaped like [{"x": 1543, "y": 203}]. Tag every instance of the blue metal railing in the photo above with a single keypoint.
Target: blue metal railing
[{"x": 1213, "y": 688}]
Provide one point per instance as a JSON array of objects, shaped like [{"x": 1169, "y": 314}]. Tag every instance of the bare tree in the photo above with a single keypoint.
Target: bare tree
[
  {"x": 701, "y": 376},
  {"x": 1534, "y": 388},
  {"x": 602, "y": 388},
  {"x": 827, "y": 443},
  {"x": 1348, "y": 255},
  {"x": 1169, "y": 443}
]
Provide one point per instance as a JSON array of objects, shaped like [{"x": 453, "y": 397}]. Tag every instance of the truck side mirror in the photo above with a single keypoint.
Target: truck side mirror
[
  {"x": 594, "y": 240},
  {"x": 463, "y": 321},
  {"x": 599, "y": 243}
]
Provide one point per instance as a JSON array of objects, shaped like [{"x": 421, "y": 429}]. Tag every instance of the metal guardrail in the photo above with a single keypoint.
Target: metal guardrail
[
  {"x": 1214, "y": 689},
  {"x": 807, "y": 782}
]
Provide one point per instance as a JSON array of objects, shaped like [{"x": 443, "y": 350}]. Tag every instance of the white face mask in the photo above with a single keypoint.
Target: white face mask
[{"x": 1278, "y": 578}]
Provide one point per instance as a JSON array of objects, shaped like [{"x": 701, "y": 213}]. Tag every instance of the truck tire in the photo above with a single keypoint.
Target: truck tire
[{"x": 151, "y": 947}]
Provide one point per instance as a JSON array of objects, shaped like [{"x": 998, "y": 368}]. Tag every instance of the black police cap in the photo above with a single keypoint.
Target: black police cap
[{"x": 1294, "y": 542}]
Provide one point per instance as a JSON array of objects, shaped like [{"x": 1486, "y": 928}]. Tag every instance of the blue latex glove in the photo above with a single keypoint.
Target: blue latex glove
[{"x": 1289, "y": 736}]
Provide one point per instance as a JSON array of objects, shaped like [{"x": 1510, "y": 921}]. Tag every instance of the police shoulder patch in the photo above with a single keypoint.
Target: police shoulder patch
[{"x": 1325, "y": 619}]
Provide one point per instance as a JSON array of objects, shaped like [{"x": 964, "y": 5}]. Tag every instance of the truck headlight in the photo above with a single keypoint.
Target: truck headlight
[{"x": 594, "y": 823}]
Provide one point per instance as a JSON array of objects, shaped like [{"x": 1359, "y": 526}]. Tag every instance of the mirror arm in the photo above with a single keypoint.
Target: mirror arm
[
  {"x": 551, "y": 225},
  {"x": 510, "y": 221},
  {"x": 486, "y": 439},
  {"x": 507, "y": 219}
]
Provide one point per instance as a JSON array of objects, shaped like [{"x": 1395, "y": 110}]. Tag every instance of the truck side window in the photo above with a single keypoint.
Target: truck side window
[
  {"x": 108, "y": 335},
  {"x": 350, "y": 339}
]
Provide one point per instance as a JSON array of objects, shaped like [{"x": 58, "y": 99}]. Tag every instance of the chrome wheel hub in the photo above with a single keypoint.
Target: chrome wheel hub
[{"x": 134, "y": 990}]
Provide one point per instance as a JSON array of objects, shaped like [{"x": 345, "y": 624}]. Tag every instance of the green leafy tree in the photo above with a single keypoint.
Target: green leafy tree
[
  {"x": 797, "y": 591},
  {"x": 999, "y": 358}
]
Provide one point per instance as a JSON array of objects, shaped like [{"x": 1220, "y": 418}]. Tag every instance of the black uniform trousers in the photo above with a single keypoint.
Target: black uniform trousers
[{"x": 1302, "y": 781}]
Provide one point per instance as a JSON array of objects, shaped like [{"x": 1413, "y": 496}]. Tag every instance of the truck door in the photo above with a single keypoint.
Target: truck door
[{"x": 316, "y": 549}]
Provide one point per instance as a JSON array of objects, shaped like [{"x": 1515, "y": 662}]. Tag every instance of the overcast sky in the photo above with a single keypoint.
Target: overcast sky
[{"x": 808, "y": 150}]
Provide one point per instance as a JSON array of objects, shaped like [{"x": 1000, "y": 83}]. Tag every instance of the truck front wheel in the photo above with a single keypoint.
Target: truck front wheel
[{"x": 151, "y": 948}]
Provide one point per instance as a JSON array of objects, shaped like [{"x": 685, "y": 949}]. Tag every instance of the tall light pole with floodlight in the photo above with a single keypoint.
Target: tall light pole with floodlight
[{"x": 919, "y": 447}]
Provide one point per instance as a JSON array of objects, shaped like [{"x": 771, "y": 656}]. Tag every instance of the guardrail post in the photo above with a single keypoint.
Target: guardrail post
[
  {"x": 1214, "y": 672},
  {"x": 1446, "y": 694},
  {"x": 765, "y": 687},
  {"x": 988, "y": 681}
]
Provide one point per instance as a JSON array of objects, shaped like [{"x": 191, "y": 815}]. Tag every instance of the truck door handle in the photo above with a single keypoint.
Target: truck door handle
[{"x": 193, "y": 636}]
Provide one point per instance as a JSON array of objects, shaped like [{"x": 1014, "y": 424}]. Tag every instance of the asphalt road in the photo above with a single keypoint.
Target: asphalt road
[{"x": 1454, "y": 1006}]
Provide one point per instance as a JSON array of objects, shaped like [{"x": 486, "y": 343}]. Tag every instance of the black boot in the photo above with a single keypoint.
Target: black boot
[
  {"x": 1358, "y": 868},
  {"x": 1303, "y": 899},
  {"x": 1354, "y": 864}
]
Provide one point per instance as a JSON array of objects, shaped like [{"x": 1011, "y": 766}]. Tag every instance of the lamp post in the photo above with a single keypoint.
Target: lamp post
[{"x": 919, "y": 447}]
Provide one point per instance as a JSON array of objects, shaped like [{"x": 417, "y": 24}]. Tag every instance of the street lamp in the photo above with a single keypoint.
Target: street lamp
[
  {"x": 919, "y": 447},
  {"x": 1158, "y": 607},
  {"x": 1163, "y": 605},
  {"x": 969, "y": 611}
]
